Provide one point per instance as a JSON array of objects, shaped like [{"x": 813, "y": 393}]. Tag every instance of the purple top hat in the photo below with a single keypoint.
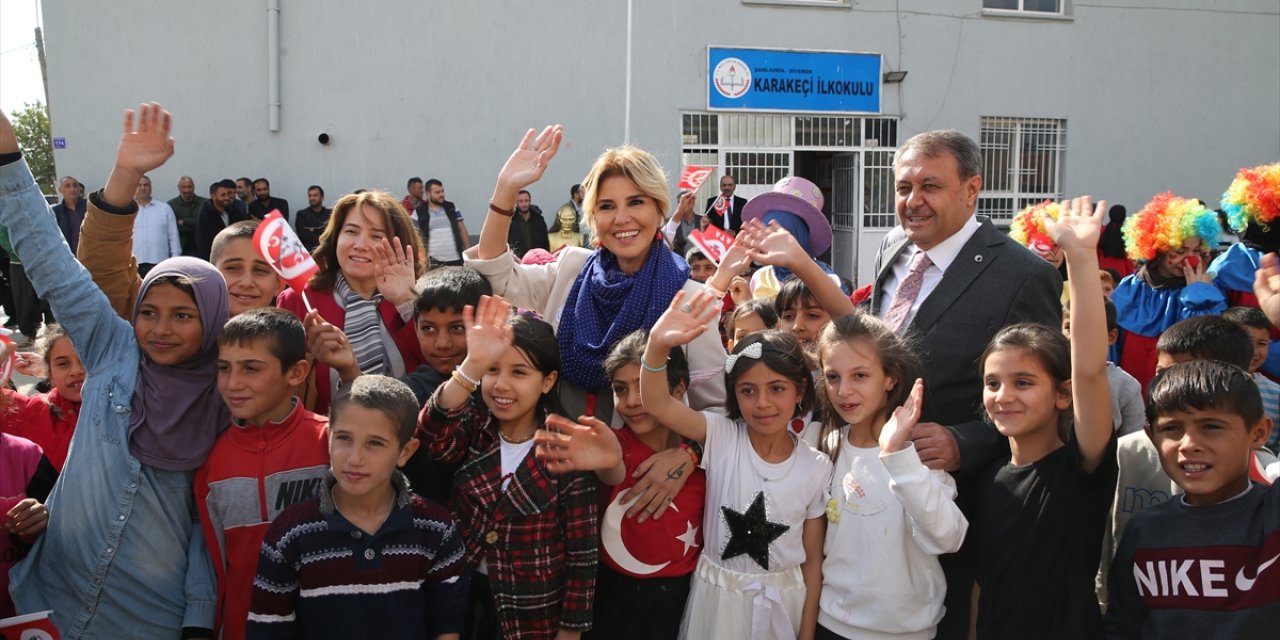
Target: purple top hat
[{"x": 800, "y": 198}]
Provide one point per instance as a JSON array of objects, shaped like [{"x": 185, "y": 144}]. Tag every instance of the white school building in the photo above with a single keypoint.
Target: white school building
[{"x": 1120, "y": 99}]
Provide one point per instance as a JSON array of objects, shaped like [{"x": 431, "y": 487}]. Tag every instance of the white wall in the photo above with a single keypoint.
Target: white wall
[{"x": 1177, "y": 96}]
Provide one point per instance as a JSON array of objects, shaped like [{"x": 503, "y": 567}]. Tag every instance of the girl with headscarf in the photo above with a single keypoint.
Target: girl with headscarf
[
  {"x": 594, "y": 298},
  {"x": 123, "y": 555}
]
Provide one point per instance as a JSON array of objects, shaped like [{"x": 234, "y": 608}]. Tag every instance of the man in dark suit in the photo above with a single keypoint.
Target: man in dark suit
[
  {"x": 727, "y": 186},
  {"x": 216, "y": 214},
  {"x": 950, "y": 281}
]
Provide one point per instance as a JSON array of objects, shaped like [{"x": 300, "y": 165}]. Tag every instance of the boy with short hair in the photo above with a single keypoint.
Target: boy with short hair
[
  {"x": 1204, "y": 565},
  {"x": 700, "y": 266},
  {"x": 251, "y": 282},
  {"x": 1255, "y": 322},
  {"x": 366, "y": 558},
  {"x": 442, "y": 294},
  {"x": 274, "y": 455},
  {"x": 1141, "y": 482}
]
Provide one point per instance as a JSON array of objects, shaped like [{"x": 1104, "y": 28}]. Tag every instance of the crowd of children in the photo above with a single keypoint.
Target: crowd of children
[{"x": 651, "y": 445}]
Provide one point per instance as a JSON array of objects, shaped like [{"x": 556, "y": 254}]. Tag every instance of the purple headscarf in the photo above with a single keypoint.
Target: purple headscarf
[{"x": 177, "y": 410}]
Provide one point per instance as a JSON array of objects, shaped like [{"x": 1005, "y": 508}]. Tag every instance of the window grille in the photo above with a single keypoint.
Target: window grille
[
  {"x": 1022, "y": 163},
  {"x": 755, "y": 130},
  {"x": 763, "y": 168},
  {"x": 824, "y": 131},
  {"x": 877, "y": 190},
  {"x": 1025, "y": 6}
]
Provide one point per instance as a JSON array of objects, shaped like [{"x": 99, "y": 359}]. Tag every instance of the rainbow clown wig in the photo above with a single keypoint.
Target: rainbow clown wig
[
  {"x": 1030, "y": 227},
  {"x": 1254, "y": 196},
  {"x": 1165, "y": 223}
]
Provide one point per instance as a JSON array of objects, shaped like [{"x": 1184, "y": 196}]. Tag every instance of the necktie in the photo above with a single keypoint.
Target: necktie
[{"x": 908, "y": 291}]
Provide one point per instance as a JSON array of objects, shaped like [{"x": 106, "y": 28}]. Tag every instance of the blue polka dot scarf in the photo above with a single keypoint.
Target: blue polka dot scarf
[{"x": 606, "y": 304}]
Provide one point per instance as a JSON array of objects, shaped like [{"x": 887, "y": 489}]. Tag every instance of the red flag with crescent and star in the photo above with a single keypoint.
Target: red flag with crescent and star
[
  {"x": 713, "y": 243},
  {"x": 692, "y": 177},
  {"x": 277, "y": 243}
]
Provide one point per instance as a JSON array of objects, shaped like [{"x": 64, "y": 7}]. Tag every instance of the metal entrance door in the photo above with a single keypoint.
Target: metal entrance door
[{"x": 844, "y": 214}]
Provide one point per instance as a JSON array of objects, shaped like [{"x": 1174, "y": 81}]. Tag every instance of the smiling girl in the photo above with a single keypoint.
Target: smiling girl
[
  {"x": 1041, "y": 512},
  {"x": 531, "y": 535},
  {"x": 759, "y": 574},
  {"x": 124, "y": 555},
  {"x": 889, "y": 517},
  {"x": 48, "y": 419}
]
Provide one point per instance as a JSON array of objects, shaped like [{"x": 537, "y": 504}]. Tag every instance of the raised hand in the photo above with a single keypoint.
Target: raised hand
[
  {"x": 149, "y": 146},
  {"x": 1079, "y": 224},
  {"x": 1266, "y": 285},
  {"x": 526, "y": 164},
  {"x": 776, "y": 246},
  {"x": 685, "y": 319},
  {"x": 587, "y": 445},
  {"x": 684, "y": 207},
  {"x": 394, "y": 270},
  {"x": 897, "y": 431},
  {"x": 489, "y": 335}
]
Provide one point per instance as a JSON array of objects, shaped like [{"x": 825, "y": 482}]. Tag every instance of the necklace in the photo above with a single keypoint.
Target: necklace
[{"x": 512, "y": 441}]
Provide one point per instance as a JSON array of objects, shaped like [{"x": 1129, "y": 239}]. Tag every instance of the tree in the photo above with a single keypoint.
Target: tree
[{"x": 31, "y": 126}]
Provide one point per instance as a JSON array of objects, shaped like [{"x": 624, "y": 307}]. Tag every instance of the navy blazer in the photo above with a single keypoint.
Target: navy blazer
[{"x": 993, "y": 282}]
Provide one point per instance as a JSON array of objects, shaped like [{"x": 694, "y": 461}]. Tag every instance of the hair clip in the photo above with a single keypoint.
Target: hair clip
[{"x": 753, "y": 351}]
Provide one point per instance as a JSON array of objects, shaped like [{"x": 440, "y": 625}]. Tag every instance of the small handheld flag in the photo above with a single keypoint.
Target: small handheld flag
[
  {"x": 692, "y": 177},
  {"x": 277, "y": 243}
]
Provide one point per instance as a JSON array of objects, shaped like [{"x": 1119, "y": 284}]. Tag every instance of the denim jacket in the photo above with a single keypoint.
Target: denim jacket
[{"x": 123, "y": 555}]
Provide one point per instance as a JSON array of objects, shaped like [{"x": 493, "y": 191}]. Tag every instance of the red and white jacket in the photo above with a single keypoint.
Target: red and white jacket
[{"x": 251, "y": 475}]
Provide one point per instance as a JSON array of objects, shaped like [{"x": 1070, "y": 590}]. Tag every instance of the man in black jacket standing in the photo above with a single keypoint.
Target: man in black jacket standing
[
  {"x": 724, "y": 203},
  {"x": 436, "y": 216}
]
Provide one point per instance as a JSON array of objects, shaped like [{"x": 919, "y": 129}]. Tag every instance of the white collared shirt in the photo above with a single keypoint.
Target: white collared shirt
[
  {"x": 155, "y": 233},
  {"x": 942, "y": 256}
]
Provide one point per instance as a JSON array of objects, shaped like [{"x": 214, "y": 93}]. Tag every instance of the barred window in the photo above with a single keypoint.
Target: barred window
[{"x": 1022, "y": 163}]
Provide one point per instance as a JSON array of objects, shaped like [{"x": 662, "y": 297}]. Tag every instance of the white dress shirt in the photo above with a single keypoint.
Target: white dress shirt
[
  {"x": 155, "y": 233},
  {"x": 942, "y": 256}
]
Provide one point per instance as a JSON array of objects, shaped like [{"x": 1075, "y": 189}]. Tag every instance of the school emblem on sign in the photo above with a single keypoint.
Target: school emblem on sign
[{"x": 732, "y": 78}]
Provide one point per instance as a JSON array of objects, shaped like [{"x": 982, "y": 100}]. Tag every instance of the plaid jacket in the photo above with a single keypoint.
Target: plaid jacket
[{"x": 539, "y": 537}]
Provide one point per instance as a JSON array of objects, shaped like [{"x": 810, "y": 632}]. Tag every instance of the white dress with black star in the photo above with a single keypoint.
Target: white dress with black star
[{"x": 748, "y": 582}]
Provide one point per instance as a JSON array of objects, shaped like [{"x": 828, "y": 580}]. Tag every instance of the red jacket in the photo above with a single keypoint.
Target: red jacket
[
  {"x": 48, "y": 420},
  {"x": 250, "y": 476},
  {"x": 402, "y": 333}
]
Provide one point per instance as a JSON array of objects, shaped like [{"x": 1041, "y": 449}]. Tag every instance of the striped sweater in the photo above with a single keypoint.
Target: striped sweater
[{"x": 320, "y": 576}]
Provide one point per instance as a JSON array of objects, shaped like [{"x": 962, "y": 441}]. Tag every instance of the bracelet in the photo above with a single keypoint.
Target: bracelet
[
  {"x": 711, "y": 289},
  {"x": 468, "y": 379},
  {"x": 645, "y": 365},
  {"x": 696, "y": 448},
  {"x": 502, "y": 212},
  {"x": 689, "y": 450},
  {"x": 462, "y": 382}
]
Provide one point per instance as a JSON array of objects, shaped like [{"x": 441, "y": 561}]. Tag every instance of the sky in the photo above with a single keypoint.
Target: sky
[{"x": 19, "y": 66}]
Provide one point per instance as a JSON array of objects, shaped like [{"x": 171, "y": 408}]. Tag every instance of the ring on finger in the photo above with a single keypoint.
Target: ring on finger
[{"x": 686, "y": 307}]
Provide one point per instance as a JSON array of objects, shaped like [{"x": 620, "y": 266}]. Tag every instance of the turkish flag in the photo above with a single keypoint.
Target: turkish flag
[
  {"x": 713, "y": 243},
  {"x": 692, "y": 177},
  {"x": 34, "y": 626},
  {"x": 6, "y": 367},
  {"x": 280, "y": 247}
]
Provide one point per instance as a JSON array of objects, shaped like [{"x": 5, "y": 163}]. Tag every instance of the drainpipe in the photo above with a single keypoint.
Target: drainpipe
[{"x": 273, "y": 65}]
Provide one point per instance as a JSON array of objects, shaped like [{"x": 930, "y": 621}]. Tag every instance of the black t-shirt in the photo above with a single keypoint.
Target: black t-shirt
[
  {"x": 427, "y": 476},
  {"x": 1038, "y": 530}
]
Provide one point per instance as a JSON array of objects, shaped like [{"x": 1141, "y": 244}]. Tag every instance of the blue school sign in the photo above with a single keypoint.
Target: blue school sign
[{"x": 806, "y": 81}]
